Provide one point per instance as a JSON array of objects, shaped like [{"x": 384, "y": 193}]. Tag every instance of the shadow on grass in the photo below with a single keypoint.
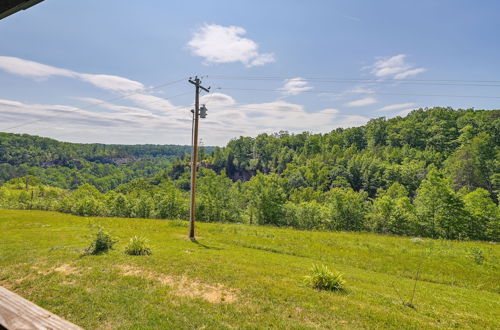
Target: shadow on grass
[{"x": 195, "y": 241}]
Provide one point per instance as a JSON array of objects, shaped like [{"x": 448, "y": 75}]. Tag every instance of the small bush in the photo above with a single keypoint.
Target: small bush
[
  {"x": 322, "y": 278},
  {"x": 138, "y": 246},
  {"x": 102, "y": 243}
]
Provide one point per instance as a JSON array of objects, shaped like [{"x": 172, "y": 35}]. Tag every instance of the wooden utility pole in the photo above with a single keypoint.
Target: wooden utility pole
[{"x": 194, "y": 155}]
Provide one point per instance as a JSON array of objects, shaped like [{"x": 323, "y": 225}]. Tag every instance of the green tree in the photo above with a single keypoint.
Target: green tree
[
  {"x": 215, "y": 199},
  {"x": 392, "y": 212},
  {"x": 484, "y": 220},
  {"x": 440, "y": 211},
  {"x": 347, "y": 209},
  {"x": 267, "y": 198}
]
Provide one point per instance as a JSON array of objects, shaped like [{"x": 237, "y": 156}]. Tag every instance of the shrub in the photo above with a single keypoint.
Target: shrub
[
  {"x": 102, "y": 243},
  {"x": 322, "y": 278},
  {"x": 138, "y": 246}
]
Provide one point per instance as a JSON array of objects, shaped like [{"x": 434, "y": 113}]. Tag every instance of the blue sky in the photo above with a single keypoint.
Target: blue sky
[{"x": 82, "y": 71}]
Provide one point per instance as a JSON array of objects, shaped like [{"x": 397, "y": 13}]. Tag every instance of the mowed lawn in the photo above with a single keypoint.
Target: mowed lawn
[{"x": 240, "y": 276}]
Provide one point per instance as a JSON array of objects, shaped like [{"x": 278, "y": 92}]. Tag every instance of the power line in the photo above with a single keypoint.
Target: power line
[
  {"x": 142, "y": 91},
  {"x": 378, "y": 93},
  {"x": 340, "y": 79}
]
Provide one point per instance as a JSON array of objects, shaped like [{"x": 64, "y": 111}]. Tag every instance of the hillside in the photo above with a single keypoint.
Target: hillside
[
  {"x": 69, "y": 165},
  {"x": 254, "y": 278}
]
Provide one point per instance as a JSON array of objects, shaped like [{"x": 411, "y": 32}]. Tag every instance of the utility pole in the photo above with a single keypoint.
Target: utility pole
[{"x": 194, "y": 156}]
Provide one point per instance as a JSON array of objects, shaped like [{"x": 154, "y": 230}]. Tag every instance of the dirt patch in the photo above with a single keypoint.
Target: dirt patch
[
  {"x": 184, "y": 286},
  {"x": 66, "y": 269}
]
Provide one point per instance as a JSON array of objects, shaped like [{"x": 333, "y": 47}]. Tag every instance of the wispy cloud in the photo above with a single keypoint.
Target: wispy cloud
[
  {"x": 395, "y": 67},
  {"x": 22, "y": 67},
  {"x": 217, "y": 99},
  {"x": 404, "y": 112},
  {"x": 352, "y": 18},
  {"x": 225, "y": 44},
  {"x": 295, "y": 86},
  {"x": 130, "y": 89},
  {"x": 113, "y": 83},
  {"x": 361, "y": 102},
  {"x": 398, "y": 106}
]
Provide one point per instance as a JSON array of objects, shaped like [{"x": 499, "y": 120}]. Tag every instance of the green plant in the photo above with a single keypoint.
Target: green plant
[
  {"x": 322, "y": 278},
  {"x": 178, "y": 223},
  {"x": 138, "y": 246},
  {"x": 102, "y": 243},
  {"x": 477, "y": 255}
]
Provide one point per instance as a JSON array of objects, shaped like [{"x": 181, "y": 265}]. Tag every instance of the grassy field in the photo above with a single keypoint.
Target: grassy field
[{"x": 244, "y": 276}]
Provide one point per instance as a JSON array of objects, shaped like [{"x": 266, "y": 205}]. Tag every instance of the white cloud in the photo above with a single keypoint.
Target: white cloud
[
  {"x": 361, "y": 102},
  {"x": 151, "y": 102},
  {"x": 36, "y": 70},
  {"x": 113, "y": 123},
  {"x": 269, "y": 117},
  {"x": 122, "y": 125},
  {"x": 409, "y": 73},
  {"x": 358, "y": 90},
  {"x": 225, "y": 44},
  {"x": 295, "y": 86},
  {"x": 395, "y": 67},
  {"x": 32, "y": 69},
  {"x": 113, "y": 107},
  {"x": 114, "y": 83},
  {"x": 217, "y": 99},
  {"x": 398, "y": 106}
]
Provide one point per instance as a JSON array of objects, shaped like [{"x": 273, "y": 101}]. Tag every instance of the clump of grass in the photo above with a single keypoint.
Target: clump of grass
[
  {"x": 178, "y": 223},
  {"x": 102, "y": 243},
  {"x": 478, "y": 256},
  {"x": 322, "y": 278},
  {"x": 138, "y": 246}
]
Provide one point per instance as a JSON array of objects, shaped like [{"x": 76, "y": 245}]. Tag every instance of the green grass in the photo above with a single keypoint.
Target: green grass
[{"x": 243, "y": 276}]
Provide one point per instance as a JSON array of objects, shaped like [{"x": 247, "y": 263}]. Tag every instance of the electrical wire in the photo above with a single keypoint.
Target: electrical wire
[
  {"x": 378, "y": 93},
  {"x": 361, "y": 80}
]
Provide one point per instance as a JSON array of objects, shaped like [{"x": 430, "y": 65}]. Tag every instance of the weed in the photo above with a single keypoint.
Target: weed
[
  {"x": 478, "y": 256},
  {"x": 138, "y": 246},
  {"x": 322, "y": 278},
  {"x": 102, "y": 243}
]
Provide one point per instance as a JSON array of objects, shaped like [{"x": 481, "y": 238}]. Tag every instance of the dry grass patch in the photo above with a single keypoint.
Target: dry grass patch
[
  {"x": 66, "y": 269},
  {"x": 184, "y": 286}
]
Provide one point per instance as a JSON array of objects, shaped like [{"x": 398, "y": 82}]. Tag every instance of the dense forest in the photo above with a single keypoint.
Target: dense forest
[
  {"x": 434, "y": 173},
  {"x": 69, "y": 165}
]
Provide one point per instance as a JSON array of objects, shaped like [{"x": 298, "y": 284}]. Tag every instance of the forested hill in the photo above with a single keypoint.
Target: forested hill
[
  {"x": 434, "y": 173},
  {"x": 464, "y": 144},
  {"x": 68, "y": 165},
  {"x": 32, "y": 150}
]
